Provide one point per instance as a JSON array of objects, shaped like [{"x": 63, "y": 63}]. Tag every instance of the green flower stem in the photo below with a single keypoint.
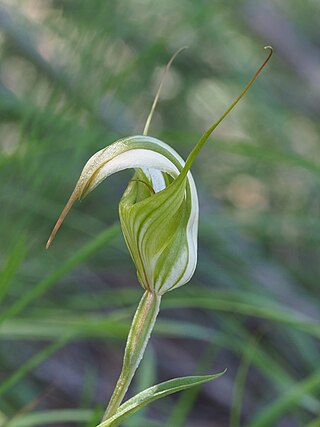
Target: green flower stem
[{"x": 140, "y": 331}]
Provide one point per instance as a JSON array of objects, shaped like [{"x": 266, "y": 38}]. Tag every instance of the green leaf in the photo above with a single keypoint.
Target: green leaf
[
  {"x": 9, "y": 270},
  {"x": 153, "y": 393},
  {"x": 53, "y": 416}
]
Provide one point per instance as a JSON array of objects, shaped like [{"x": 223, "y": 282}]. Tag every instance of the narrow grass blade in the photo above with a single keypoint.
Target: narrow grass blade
[
  {"x": 39, "y": 289},
  {"x": 289, "y": 400},
  {"x": 239, "y": 387},
  {"x": 15, "y": 258},
  {"x": 243, "y": 303},
  {"x": 277, "y": 314},
  {"x": 51, "y": 417},
  {"x": 31, "y": 364}
]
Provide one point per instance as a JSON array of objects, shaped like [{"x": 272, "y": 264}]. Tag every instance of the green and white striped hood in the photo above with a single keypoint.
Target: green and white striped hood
[{"x": 158, "y": 211}]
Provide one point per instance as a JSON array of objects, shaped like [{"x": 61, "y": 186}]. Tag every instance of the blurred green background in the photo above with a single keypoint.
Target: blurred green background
[{"x": 76, "y": 75}]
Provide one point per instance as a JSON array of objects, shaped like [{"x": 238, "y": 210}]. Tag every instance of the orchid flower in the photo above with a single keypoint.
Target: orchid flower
[{"x": 159, "y": 213}]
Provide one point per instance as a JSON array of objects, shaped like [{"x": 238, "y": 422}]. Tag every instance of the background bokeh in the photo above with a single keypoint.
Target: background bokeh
[{"x": 76, "y": 75}]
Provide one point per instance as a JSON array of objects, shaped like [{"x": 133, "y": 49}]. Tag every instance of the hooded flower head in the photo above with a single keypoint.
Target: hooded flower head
[
  {"x": 159, "y": 209},
  {"x": 158, "y": 212}
]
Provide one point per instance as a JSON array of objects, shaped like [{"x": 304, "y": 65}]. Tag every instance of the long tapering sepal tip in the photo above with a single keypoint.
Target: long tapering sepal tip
[{"x": 74, "y": 196}]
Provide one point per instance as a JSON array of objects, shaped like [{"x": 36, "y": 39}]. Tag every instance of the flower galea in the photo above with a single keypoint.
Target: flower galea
[{"x": 158, "y": 212}]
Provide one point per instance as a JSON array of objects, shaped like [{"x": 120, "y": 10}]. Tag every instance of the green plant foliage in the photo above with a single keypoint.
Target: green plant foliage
[
  {"x": 76, "y": 76},
  {"x": 153, "y": 393}
]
